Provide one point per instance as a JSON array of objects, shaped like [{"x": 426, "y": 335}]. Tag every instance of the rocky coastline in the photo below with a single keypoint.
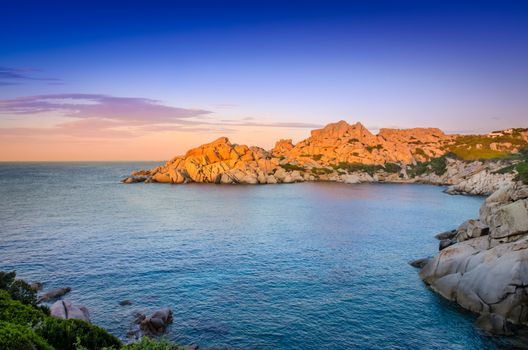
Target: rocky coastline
[
  {"x": 341, "y": 152},
  {"x": 482, "y": 265}
]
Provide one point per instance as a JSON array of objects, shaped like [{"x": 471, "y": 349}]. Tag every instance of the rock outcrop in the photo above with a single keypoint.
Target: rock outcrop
[
  {"x": 342, "y": 142},
  {"x": 156, "y": 323},
  {"x": 486, "y": 270},
  {"x": 65, "y": 309},
  {"x": 343, "y": 152}
]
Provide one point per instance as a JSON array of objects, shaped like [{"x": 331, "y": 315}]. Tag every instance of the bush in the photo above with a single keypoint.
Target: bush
[
  {"x": 317, "y": 157},
  {"x": 392, "y": 168},
  {"x": 359, "y": 167},
  {"x": 371, "y": 148},
  {"x": 23, "y": 325},
  {"x": 522, "y": 172},
  {"x": 292, "y": 167},
  {"x": 505, "y": 170},
  {"x": 438, "y": 165},
  {"x": 17, "y": 289},
  {"x": 321, "y": 171},
  {"x": 418, "y": 169},
  {"x": 420, "y": 152},
  {"x": 65, "y": 334},
  {"x": 17, "y": 337},
  {"x": 152, "y": 344},
  {"x": 57, "y": 333},
  {"x": 467, "y": 153}
]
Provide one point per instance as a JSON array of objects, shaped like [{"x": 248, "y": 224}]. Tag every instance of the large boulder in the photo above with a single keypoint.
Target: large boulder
[
  {"x": 471, "y": 229},
  {"x": 483, "y": 280},
  {"x": 65, "y": 309},
  {"x": 510, "y": 221},
  {"x": 156, "y": 323}
]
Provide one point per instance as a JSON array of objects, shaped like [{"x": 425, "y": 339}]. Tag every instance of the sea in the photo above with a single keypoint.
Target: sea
[{"x": 291, "y": 266}]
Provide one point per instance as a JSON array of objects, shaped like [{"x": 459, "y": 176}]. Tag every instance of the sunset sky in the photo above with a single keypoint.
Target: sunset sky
[{"x": 146, "y": 80}]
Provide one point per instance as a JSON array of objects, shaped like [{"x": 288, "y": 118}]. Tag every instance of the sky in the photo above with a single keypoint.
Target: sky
[{"x": 147, "y": 80}]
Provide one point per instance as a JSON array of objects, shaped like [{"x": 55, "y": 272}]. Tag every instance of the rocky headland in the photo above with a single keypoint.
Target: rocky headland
[{"x": 350, "y": 153}]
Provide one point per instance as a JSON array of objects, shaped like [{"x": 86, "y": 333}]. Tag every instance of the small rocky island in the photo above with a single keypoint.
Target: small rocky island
[{"x": 482, "y": 265}]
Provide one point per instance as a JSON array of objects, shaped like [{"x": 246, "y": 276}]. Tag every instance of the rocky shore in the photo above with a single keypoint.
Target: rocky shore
[
  {"x": 483, "y": 264},
  {"x": 346, "y": 153}
]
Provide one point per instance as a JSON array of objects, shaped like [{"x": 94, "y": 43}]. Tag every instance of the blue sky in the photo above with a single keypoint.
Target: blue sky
[{"x": 257, "y": 70}]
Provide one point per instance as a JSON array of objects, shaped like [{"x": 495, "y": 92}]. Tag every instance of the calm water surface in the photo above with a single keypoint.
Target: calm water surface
[{"x": 301, "y": 266}]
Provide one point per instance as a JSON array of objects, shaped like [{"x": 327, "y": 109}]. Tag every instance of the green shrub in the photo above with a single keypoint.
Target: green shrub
[
  {"x": 359, "y": 167},
  {"x": 371, "y": 148},
  {"x": 321, "y": 171},
  {"x": 18, "y": 337},
  {"x": 17, "y": 289},
  {"x": 152, "y": 344},
  {"x": 317, "y": 157},
  {"x": 6, "y": 279},
  {"x": 64, "y": 334},
  {"x": 420, "y": 152},
  {"x": 58, "y": 333},
  {"x": 467, "y": 153},
  {"x": 505, "y": 170},
  {"x": 417, "y": 169},
  {"x": 392, "y": 167},
  {"x": 292, "y": 167},
  {"x": 438, "y": 165},
  {"x": 522, "y": 172},
  {"x": 352, "y": 140}
]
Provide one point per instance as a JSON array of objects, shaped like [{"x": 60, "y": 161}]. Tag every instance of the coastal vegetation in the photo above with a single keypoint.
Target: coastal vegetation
[
  {"x": 26, "y": 325},
  {"x": 292, "y": 167},
  {"x": 437, "y": 165},
  {"x": 480, "y": 147},
  {"x": 358, "y": 167}
]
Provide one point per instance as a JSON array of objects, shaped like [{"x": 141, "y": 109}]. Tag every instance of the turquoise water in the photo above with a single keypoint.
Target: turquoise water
[{"x": 300, "y": 266}]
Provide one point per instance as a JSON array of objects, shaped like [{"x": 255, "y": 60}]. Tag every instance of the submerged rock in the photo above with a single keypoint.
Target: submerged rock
[
  {"x": 125, "y": 302},
  {"x": 53, "y": 294}
]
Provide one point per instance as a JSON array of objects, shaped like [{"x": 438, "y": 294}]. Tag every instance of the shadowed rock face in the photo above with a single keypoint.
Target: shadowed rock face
[{"x": 488, "y": 273}]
